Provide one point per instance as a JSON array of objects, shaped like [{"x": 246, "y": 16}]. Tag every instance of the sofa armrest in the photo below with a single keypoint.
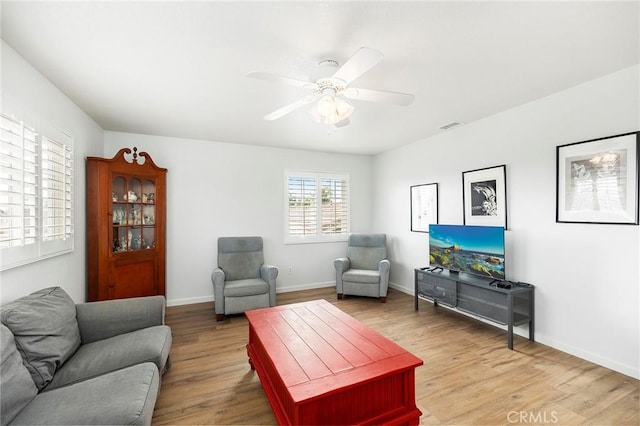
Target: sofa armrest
[
  {"x": 101, "y": 320},
  {"x": 342, "y": 264},
  {"x": 269, "y": 273},
  {"x": 384, "y": 266},
  {"x": 217, "y": 279}
]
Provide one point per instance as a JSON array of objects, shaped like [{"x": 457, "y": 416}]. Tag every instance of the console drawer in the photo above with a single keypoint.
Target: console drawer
[
  {"x": 438, "y": 289},
  {"x": 488, "y": 304}
]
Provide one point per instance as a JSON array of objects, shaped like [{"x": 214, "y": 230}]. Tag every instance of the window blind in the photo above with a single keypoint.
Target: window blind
[
  {"x": 36, "y": 193},
  {"x": 317, "y": 206},
  {"x": 302, "y": 214},
  {"x": 335, "y": 206}
]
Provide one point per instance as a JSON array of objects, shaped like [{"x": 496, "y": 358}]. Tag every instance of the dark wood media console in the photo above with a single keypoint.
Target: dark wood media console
[{"x": 479, "y": 296}]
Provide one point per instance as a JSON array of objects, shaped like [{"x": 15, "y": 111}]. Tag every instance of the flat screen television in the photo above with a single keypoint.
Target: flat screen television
[{"x": 477, "y": 250}]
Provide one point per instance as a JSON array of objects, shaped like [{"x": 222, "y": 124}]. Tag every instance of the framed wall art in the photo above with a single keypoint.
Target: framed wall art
[
  {"x": 424, "y": 206},
  {"x": 597, "y": 180},
  {"x": 484, "y": 196}
]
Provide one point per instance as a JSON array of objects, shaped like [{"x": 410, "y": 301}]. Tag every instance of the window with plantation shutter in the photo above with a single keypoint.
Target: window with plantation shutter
[
  {"x": 303, "y": 206},
  {"x": 56, "y": 190},
  {"x": 36, "y": 193},
  {"x": 317, "y": 207}
]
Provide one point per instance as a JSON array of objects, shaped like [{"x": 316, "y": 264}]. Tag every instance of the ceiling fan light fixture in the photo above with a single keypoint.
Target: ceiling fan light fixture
[
  {"x": 329, "y": 83},
  {"x": 331, "y": 110}
]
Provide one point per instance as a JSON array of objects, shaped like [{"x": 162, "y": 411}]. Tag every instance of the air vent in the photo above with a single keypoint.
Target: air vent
[{"x": 450, "y": 125}]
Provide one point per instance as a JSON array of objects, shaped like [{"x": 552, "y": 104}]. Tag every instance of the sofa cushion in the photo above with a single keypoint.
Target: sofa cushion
[
  {"x": 45, "y": 329},
  {"x": 366, "y": 250},
  {"x": 240, "y": 257},
  {"x": 364, "y": 276},
  {"x": 242, "y": 288},
  {"x": 123, "y": 397},
  {"x": 16, "y": 385},
  {"x": 108, "y": 318},
  {"x": 93, "y": 359},
  {"x": 366, "y": 257}
]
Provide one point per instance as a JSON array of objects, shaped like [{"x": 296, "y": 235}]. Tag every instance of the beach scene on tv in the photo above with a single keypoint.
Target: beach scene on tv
[{"x": 477, "y": 250}]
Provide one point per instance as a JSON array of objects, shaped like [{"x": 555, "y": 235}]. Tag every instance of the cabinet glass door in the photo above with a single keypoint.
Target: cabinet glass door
[{"x": 133, "y": 214}]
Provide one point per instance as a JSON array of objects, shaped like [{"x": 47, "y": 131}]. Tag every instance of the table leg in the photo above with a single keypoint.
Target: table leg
[
  {"x": 249, "y": 359},
  {"x": 510, "y": 321},
  {"x": 532, "y": 313}
]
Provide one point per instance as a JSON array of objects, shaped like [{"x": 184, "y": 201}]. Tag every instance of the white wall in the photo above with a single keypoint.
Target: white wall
[
  {"x": 587, "y": 276},
  {"x": 29, "y": 96},
  {"x": 218, "y": 189}
]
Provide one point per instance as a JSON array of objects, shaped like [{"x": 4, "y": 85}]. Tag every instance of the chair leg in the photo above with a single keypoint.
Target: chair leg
[
  {"x": 383, "y": 299},
  {"x": 219, "y": 317},
  {"x": 340, "y": 296}
]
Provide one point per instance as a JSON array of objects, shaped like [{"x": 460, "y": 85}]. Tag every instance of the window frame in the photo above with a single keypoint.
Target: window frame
[
  {"x": 58, "y": 153},
  {"x": 318, "y": 236}
]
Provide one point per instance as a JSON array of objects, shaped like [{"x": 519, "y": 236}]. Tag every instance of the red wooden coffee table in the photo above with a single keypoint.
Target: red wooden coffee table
[{"x": 320, "y": 366}]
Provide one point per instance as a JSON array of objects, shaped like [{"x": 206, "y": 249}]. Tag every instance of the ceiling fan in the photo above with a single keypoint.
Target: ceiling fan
[{"x": 329, "y": 83}]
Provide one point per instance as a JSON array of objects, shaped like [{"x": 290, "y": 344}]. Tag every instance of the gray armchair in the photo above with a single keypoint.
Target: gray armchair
[
  {"x": 365, "y": 270},
  {"x": 242, "y": 281}
]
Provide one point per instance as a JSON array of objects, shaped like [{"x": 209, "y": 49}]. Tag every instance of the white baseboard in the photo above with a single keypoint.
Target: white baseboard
[
  {"x": 189, "y": 300},
  {"x": 306, "y": 287},
  {"x": 628, "y": 370},
  {"x": 403, "y": 289},
  {"x": 203, "y": 299}
]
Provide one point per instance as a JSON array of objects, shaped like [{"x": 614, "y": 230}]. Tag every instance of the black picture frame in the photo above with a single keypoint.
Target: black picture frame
[
  {"x": 484, "y": 196},
  {"x": 424, "y": 206},
  {"x": 597, "y": 180}
]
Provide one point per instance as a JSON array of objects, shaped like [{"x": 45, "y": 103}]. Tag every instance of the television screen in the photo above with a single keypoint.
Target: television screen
[{"x": 477, "y": 250}]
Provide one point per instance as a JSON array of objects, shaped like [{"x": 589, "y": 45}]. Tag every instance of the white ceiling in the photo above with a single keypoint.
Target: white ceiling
[{"x": 178, "y": 68}]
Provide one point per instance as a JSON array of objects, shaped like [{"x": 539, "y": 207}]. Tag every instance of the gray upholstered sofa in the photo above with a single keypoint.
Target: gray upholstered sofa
[
  {"x": 242, "y": 281},
  {"x": 365, "y": 270},
  {"x": 94, "y": 363}
]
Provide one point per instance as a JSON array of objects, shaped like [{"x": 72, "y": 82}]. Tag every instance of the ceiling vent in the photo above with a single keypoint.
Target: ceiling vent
[{"x": 450, "y": 125}]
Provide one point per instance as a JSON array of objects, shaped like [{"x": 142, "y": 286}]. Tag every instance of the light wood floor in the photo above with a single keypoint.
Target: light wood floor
[{"x": 469, "y": 377}]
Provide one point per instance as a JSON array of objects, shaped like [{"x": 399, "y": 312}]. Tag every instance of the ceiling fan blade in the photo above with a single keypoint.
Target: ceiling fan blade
[
  {"x": 370, "y": 95},
  {"x": 361, "y": 61},
  {"x": 290, "y": 108},
  {"x": 280, "y": 79}
]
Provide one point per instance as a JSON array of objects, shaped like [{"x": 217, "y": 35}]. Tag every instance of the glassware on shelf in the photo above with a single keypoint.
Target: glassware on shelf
[{"x": 133, "y": 214}]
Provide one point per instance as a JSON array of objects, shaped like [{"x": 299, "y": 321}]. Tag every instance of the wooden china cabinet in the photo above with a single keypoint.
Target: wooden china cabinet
[{"x": 126, "y": 224}]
